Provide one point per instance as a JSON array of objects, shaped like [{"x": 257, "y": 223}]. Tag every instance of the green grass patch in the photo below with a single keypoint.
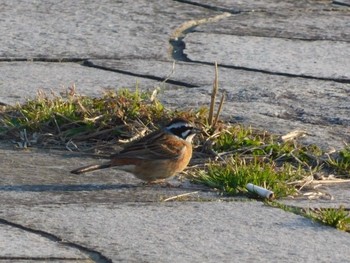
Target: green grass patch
[
  {"x": 239, "y": 140},
  {"x": 232, "y": 175},
  {"x": 341, "y": 163},
  {"x": 338, "y": 218},
  {"x": 74, "y": 115},
  {"x": 335, "y": 217},
  {"x": 252, "y": 156}
]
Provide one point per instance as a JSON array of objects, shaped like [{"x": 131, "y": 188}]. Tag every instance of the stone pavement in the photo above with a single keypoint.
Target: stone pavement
[{"x": 284, "y": 65}]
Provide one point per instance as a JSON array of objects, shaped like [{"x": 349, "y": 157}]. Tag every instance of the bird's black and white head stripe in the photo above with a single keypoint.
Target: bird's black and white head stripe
[{"x": 182, "y": 129}]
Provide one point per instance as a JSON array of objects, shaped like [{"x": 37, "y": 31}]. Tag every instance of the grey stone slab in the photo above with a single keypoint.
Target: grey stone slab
[
  {"x": 43, "y": 177},
  {"x": 327, "y": 195},
  {"x": 277, "y": 104},
  {"x": 111, "y": 213},
  {"x": 180, "y": 72},
  {"x": 16, "y": 244},
  {"x": 332, "y": 25},
  {"x": 183, "y": 232},
  {"x": 21, "y": 80},
  {"x": 103, "y": 29},
  {"x": 319, "y": 59},
  {"x": 50, "y": 260},
  {"x": 309, "y": 20},
  {"x": 275, "y": 119}
]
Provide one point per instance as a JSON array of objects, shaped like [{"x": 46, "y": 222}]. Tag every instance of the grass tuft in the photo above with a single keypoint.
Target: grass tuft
[
  {"x": 74, "y": 115},
  {"x": 341, "y": 163},
  {"x": 335, "y": 217},
  {"x": 338, "y": 218},
  {"x": 232, "y": 176}
]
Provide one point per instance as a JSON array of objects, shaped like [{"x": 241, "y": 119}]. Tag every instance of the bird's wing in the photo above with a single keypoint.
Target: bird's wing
[{"x": 158, "y": 146}]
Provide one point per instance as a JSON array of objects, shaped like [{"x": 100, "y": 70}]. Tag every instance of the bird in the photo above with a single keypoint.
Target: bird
[{"x": 156, "y": 156}]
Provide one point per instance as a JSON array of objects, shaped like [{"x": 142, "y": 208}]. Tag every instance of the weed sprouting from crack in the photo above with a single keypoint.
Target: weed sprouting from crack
[{"x": 337, "y": 217}]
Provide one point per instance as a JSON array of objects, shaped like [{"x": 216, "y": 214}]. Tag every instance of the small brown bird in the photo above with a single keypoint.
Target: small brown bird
[{"x": 158, "y": 155}]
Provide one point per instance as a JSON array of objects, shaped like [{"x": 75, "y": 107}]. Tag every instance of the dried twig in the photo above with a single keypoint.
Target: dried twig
[
  {"x": 158, "y": 89},
  {"x": 219, "y": 109},
  {"x": 331, "y": 181},
  {"x": 213, "y": 95},
  {"x": 179, "y": 196},
  {"x": 294, "y": 135},
  {"x": 171, "y": 72},
  {"x": 70, "y": 142}
]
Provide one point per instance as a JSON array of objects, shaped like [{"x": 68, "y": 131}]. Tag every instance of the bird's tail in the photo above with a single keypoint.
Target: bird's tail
[{"x": 90, "y": 168}]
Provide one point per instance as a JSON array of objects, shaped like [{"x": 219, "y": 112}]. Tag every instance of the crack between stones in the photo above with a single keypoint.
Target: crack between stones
[
  {"x": 284, "y": 74},
  {"x": 237, "y": 10},
  {"x": 340, "y": 3},
  {"x": 85, "y": 62},
  {"x": 176, "y": 40},
  {"x": 170, "y": 81},
  {"x": 92, "y": 254},
  {"x": 38, "y": 59},
  {"x": 210, "y": 7},
  {"x": 45, "y": 259},
  {"x": 277, "y": 37}
]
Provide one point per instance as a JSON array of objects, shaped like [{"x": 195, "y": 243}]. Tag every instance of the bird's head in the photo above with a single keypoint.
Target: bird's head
[{"x": 182, "y": 128}]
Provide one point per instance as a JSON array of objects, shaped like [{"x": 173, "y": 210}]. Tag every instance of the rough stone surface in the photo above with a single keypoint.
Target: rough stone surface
[
  {"x": 40, "y": 179},
  {"x": 180, "y": 232},
  {"x": 284, "y": 66},
  {"x": 32, "y": 245},
  {"x": 22, "y": 80},
  {"x": 318, "y": 59},
  {"x": 278, "y": 104},
  {"x": 307, "y": 23},
  {"x": 104, "y": 29}
]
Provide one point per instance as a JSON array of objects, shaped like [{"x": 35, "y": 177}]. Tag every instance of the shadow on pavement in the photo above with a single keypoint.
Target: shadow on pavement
[{"x": 58, "y": 188}]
